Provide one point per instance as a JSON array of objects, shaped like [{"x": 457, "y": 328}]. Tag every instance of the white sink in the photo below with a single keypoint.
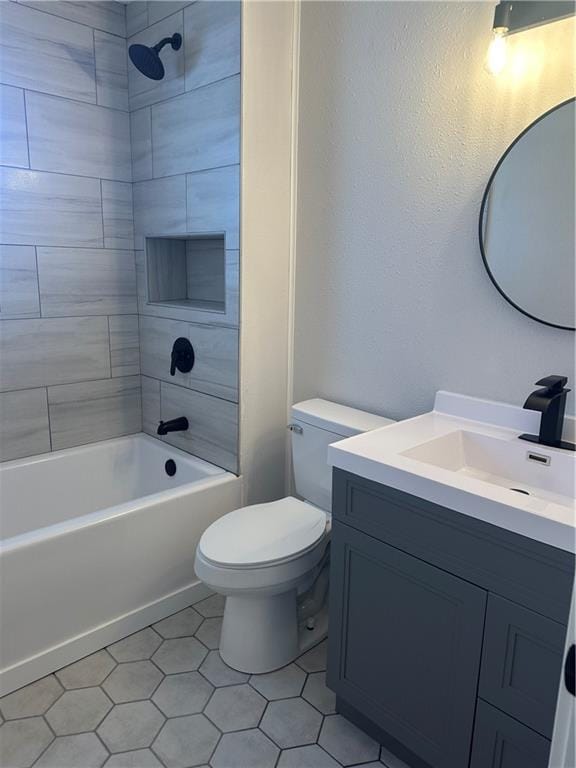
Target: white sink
[
  {"x": 513, "y": 464},
  {"x": 467, "y": 455}
]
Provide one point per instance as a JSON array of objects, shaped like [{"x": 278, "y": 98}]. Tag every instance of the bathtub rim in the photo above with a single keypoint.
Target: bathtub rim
[{"x": 217, "y": 475}]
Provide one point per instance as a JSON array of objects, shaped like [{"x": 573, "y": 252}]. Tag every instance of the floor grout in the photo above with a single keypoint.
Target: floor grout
[{"x": 216, "y": 719}]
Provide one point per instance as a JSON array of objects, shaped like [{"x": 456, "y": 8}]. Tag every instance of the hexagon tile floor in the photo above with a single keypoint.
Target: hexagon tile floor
[{"x": 164, "y": 697}]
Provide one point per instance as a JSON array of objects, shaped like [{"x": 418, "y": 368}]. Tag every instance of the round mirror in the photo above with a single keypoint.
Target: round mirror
[{"x": 527, "y": 220}]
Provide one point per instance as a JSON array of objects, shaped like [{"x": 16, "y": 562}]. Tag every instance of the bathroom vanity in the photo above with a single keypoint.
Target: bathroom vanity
[{"x": 450, "y": 592}]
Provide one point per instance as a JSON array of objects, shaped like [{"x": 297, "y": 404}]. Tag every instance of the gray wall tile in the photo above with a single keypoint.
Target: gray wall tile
[
  {"x": 117, "y": 214},
  {"x": 159, "y": 9},
  {"x": 211, "y": 41},
  {"x": 124, "y": 345},
  {"x": 86, "y": 281},
  {"x": 111, "y": 70},
  {"x": 94, "y": 410},
  {"x": 46, "y": 53},
  {"x": 84, "y": 139},
  {"x": 49, "y": 209},
  {"x": 150, "y": 404},
  {"x": 215, "y": 368},
  {"x": 213, "y": 203},
  {"x": 166, "y": 269},
  {"x": 136, "y": 17},
  {"x": 41, "y": 352},
  {"x": 141, "y": 141},
  {"x": 23, "y": 424},
  {"x": 213, "y": 431},
  {"x": 18, "y": 282},
  {"x": 13, "y": 141},
  {"x": 159, "y": 208},
  {"x": 200, "y": 129},
  {"x": 141, "y": 90},
  {"x": 104, "y": 14}
]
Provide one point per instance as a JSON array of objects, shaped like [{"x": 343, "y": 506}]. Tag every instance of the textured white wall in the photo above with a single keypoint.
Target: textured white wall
[{"x": 400, "y": 127}]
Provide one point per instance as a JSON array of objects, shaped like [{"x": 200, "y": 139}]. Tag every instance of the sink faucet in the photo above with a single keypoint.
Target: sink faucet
[
  {"x": 175, "y": 425},
  {"x": 551, "y": 402}
]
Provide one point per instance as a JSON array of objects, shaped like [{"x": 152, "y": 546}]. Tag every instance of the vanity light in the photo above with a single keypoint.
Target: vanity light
[{"x": 515, "y": 17}]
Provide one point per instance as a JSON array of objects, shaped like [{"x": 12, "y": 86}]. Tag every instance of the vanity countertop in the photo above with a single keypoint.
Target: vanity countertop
[{"x": 466, "y": 455}]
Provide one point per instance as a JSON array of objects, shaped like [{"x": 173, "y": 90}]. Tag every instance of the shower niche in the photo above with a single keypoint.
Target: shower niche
[{"x": 191, "y": 273}]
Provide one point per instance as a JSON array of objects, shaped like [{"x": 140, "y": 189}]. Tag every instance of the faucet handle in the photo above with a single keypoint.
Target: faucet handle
[{"x": 554, "y": 384}]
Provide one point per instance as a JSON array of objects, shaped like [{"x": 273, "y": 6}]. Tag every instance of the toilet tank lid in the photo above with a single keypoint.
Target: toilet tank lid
[{"x": 336, "y": 418}]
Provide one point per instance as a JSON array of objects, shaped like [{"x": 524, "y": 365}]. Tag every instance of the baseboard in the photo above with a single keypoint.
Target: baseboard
[{"x": 52, "y": 659}]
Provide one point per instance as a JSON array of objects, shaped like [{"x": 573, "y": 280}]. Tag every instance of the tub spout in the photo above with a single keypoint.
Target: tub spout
[{"x": 174, "y": 425}]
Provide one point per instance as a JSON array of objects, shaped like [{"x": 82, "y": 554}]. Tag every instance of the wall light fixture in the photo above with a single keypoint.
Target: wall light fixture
[{"x": 510, "y": 18}]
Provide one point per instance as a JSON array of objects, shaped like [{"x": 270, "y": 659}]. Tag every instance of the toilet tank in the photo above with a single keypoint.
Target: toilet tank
[{"x": 315, "y": 425}]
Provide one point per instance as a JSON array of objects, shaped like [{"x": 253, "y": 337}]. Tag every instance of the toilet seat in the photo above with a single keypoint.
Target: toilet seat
[{"x": 262, "y": 535}]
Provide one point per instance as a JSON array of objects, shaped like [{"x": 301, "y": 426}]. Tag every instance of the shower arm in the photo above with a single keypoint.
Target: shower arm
[{"x": 158, "y": 47}]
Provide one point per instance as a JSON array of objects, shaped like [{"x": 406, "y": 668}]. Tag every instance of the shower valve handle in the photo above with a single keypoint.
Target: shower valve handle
[{"x": 182, "y": 357}]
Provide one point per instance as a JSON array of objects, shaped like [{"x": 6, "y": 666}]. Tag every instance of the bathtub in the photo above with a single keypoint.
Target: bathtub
[{"x": 97, "y": 542}]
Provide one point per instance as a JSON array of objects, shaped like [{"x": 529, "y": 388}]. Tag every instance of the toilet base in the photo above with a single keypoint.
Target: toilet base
[{"x": 261, "y": 634}]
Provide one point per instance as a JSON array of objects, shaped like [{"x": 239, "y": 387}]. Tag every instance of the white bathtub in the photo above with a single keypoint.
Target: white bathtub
[{"x": 98, "y": 542}]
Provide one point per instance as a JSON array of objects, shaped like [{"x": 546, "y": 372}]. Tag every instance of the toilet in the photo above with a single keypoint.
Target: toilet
[{"x": 271, "y": 560}]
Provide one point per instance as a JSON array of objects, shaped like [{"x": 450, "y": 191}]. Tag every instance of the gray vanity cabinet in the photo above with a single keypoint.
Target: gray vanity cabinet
[
  {"x": 410, "y": 645},
  {"x": 446, "y": 633},
  {"x": 501, "y": 741}
]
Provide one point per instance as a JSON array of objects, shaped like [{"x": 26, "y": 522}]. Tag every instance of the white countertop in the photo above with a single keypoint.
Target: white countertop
[{"x": 380, "y": 456}]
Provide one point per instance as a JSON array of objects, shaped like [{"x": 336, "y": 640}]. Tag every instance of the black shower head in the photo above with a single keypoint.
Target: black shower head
[{"x": 147, "y": 60}]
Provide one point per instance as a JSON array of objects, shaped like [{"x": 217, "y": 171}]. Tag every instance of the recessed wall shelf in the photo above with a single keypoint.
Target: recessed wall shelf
[{"x": 187, "y": 272}]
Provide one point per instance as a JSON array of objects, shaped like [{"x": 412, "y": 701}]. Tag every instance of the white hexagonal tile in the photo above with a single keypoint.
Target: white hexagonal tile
[
  {"x": 235, "y": 708},
  {"x": 347, "y": 743},
  {"x": 184, "y": 654},
  {"x": 91, "y": 670},
  {"x": 141, "y": 758},
  {"x": 281, "y": 684},
  {"x": 78, "y": 711},
  {"x": 22, "y": 741},
  {"x": 137, "y": 647},
  {"x": 245, "y": 748},
  {"x": 291, "y": 723},
  {"x": 312, "y": 756},
  {"x": 181, "y": 624},
  {"x": 84, "y": 750},
  {"x": 209, "y": 633},
  {"x": 132, "y": 681},
  {"x": 184, "y": 694},
  {"x": 186, "y": 741},
  {"x": 317, "y": 693},
  {"x": 219, "y": 673},
  {"x": 314, "y": 660},
  {"x": 211, "y": 606},
  {"x": 131, "y": 726},
  {"x": 31, "y": 700}
]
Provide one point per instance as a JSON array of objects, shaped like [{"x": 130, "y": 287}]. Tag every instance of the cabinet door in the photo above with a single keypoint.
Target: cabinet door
[
  {"x": 502, "y": 742},
  {"x": 521, "y": 663},
  {"x": 405, "y": 645}
]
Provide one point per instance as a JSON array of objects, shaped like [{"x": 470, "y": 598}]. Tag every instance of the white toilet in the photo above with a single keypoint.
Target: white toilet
[{"x": 271, "y": 560}]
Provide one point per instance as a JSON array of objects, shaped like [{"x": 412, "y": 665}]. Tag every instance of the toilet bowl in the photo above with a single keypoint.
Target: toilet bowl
[
  {"x": 271, "y": 560},
  {"x": 263, "y": 576}
]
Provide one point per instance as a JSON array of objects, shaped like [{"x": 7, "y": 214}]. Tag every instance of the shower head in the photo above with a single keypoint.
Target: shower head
[{"x": 147, "y": 60}]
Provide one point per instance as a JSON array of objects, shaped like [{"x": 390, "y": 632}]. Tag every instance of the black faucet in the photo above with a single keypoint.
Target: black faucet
[
  {"x": 551, "y": 401},
  {"x": 174, "y": 425}
]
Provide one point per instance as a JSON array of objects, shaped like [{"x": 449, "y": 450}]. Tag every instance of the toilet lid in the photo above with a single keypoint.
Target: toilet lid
[{"x": 263, "y": 533}]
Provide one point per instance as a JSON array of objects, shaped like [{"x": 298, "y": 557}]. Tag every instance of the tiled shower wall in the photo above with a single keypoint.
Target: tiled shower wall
[
  {"x": 185, "y": 133},
  {"x": 69, "y": 363},
  {"x": 78, "y": 125}
]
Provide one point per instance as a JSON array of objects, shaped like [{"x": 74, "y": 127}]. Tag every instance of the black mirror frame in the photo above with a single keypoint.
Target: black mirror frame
[{"x": 483, "y": 206}]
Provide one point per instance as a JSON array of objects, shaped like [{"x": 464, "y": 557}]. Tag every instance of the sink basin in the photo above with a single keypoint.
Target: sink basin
[
  {"x": 512, "y": 464},
  {"x": 466, "y": 455}
]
